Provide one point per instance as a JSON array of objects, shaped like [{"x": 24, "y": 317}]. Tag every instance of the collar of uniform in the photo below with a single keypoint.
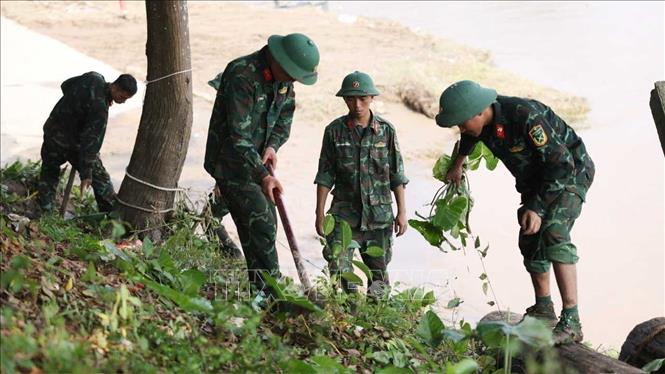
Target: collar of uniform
[
  {"x": 498, "y": 127},
  {"x": 373, "y": 123},
  {"x": 264, "y": 66},
  {"x": 107, "y": 91}
]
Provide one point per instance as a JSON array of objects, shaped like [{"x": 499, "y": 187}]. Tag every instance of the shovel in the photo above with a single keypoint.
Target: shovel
[
  {"x": 68, "y": 190},
  {"x": 293, "y": 245}
]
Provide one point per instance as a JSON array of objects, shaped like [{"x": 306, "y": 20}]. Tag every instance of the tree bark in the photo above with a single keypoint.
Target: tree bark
[
  {"x": 163, "y": 135},
  {"x": 577, "y": 356}
]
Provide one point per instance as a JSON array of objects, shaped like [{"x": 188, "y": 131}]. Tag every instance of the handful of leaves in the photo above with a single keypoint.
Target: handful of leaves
[{"x": 448, "y": 218}]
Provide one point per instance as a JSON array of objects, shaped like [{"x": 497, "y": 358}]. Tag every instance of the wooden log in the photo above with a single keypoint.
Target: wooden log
[
  {"x": 645, "y": 343},
  {"x": 657, "y": 104},
  {"x": 577, "y": 357},
  {"x": 418, "y": 99}
]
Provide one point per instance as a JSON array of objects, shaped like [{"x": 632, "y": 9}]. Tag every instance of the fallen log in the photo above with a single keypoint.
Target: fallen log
[
  {"x": 418, "y": 99},
  {"x": 577, "y": 357},
  {"x": 645, "y": 343}
]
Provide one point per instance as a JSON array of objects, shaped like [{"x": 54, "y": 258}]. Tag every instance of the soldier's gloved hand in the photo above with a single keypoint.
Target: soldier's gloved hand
[
  {"x": 85, "y": 183},
  {"x": 269, "y": 184},
  {"x": 270, "y": 157},
  {"x": 530, "y": 222},
  {"x": 318, "y": 224},
  {"x": 454, "y": 175},
  {"x": 400, "y": 223}
]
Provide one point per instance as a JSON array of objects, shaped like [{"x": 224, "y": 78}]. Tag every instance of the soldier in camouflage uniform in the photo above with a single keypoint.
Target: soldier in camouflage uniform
[
  {"x": 219, "y": 208},
  {"x": 553, "y": 173},
  {"x": 251, "y": 120},
  {"x": 360, "y": 158},
  {"x": 74, "y": 133}
]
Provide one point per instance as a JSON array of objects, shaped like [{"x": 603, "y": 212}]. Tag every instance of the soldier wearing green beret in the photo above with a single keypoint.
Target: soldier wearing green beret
[
  {"x": 553, "y": 173},
  {"x": 361, "y": 162},
  {"x": 74, "y": 133},
  {"x": 251, "y": 120}
]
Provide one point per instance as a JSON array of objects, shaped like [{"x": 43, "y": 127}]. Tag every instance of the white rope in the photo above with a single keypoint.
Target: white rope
[
  {"x": 155, "y": 211},
  {"x": 153, "y": 185},
  {"x": 166, "y": 76},
  {"x": 301, "y": 256}
]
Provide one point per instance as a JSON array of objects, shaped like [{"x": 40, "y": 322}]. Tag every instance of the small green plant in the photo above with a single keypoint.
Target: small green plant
[
  {"x": 448, "y": 219},
  {"x": 23, "y": 172},
  {"x": 18, "y": 185},
  {"x": 345, "y": 244},
  {"x": 654, "y": 366},
  {"x": 511, "y": 339}
]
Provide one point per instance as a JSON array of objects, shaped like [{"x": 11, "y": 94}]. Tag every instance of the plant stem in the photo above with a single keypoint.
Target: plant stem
[{"x": 482, "y": 263}]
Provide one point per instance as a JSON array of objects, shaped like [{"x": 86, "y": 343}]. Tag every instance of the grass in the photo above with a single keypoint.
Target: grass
[{"x": 86, "y": 298}]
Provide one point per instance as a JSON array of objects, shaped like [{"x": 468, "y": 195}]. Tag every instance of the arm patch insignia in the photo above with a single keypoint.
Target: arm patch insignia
[{"x": 538, "y": 136}]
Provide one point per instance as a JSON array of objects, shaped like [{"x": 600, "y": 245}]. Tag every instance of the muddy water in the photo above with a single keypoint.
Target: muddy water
[{"x": 610, "y": 53}]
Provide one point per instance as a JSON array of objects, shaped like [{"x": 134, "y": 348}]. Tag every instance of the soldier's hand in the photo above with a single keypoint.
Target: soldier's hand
[
  {"x": 270, "y": 157},
  {"x": 85, "y": 183},
  {"x": 216, "y": 191},
  {"x": 318, "y": 224},
  {"x": 269, "y": 184},
  {"x": 400, "y": 223},
  {"x": 530, "y": 222},
  {"x": 454, "y": 175}
]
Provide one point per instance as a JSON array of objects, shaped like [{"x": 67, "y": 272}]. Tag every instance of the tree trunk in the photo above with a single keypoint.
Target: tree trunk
[
  {"x": 166, "y": 122},
  {"x": 574, "y": 356},
  {"x": 645, "y": 343}
]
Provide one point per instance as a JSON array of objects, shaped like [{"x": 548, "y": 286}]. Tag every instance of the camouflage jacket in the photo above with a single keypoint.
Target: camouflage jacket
[
  {"x": 252, "y": 111},
  {"x": 78, "y": 120},
  {"x": 541, "y": 151},
  {"x": 363, "y": 171}
]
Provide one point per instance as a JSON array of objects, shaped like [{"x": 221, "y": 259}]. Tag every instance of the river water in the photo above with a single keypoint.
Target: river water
[{"x": 611, "y": 53}]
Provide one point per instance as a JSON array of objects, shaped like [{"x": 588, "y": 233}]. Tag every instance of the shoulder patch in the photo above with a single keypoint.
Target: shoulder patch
[
  {"x": 516, "y": 148},
  {"x": 538, "y": 135}
]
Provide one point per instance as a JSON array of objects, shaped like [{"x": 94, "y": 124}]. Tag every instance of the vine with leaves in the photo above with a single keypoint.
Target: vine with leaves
[{"x": 447, "y": 223}]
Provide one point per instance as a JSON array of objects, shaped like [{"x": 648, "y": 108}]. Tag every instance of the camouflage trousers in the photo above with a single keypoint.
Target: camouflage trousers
[
  {"x": 552, "y": 243},
  {"x": 256, "y": 220},
  {"x": 378, "y": 266},
  {"x": 53, "y": 156},
  {"x": 219, "y": 209}
]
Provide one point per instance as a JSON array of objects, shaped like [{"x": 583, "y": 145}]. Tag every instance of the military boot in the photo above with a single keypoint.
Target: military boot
[
  {"x": 568, "y": 330},
  {"x": 543, "y": 312},
  {"x": 226, "y": 244}
]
